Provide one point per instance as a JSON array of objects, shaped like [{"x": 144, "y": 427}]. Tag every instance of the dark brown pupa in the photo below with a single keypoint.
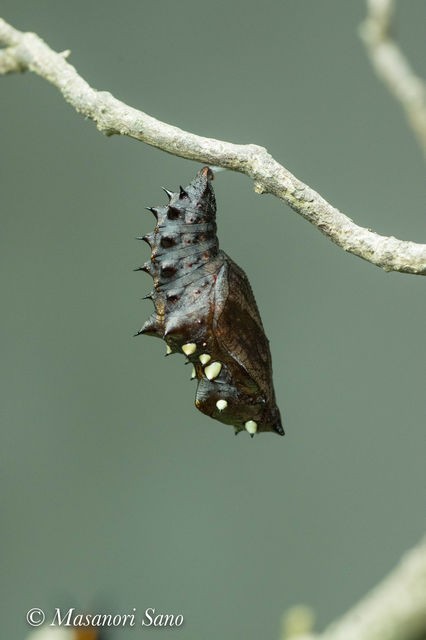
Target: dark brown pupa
[{"x": 205, "y": 309}]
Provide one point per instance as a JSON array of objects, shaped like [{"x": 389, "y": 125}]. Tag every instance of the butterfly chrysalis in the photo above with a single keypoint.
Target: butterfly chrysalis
[{"x": 205, "y": 309}]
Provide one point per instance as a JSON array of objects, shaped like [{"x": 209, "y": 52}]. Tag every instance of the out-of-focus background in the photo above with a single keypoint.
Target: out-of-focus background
[{"x": 116, "y": 493}]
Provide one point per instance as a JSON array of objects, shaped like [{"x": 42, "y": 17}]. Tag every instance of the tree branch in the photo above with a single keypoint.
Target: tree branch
[
  {"x": 394, "y": 610},
  {"x": 28, "y": 51},
  {"x": 392, "y": 66}
]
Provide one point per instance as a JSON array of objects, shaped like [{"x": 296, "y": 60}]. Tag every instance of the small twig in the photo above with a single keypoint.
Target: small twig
[
  {"x": 392, "y": 66},
  {"x": 394, "y": 610},
  {"x": 114, "y": 117}
]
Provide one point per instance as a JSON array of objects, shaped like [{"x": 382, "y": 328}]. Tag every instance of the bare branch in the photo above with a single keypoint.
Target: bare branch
[
  {"x": 114, "y": 117},
  {"x": 392, "y": 66},
  {"x": 394, "y": 610}
]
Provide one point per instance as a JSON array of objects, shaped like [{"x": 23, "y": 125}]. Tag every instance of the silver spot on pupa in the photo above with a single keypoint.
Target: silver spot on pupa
[
  {"x": 189, "y": 348},
  {"x": 213, "y": 370},
  {"x": 221, "y": 404},
  {"x": 251, "y": 427}
]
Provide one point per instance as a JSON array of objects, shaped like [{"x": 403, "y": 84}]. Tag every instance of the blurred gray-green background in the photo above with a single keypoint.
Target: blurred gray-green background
[{"x": 115, "y": 491}]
